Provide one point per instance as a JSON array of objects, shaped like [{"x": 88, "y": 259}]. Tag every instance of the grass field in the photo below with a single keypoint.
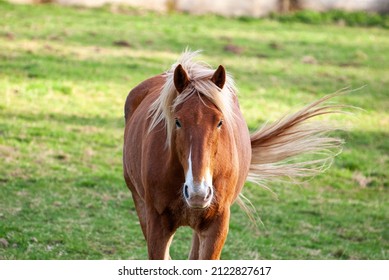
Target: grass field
[{"x": 64, "y": 76}]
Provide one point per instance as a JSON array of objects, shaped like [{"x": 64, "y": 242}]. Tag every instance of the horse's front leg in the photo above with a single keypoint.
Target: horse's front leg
[
  {"x": 159, "y": 236},
  {"x": 212, "y": 239},
  {"x": 194, "y": 252}
]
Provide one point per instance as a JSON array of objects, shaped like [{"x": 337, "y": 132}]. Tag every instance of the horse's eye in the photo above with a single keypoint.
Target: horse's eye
[
  {"x": 220, "y": 124},
  {"x": 178, "y": 124}
]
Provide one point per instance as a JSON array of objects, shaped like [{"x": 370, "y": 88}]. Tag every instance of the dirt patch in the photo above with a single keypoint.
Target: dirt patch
[
  {"x": 4, "y": 242},
  {"x": 308, "y": 59},
  {"x": 122, "y": 43},
  {"x": 233, "y": 49},
  {"x": 8, "y": 153},
  {"x": 8, "y": 35},
  {"x": 362, "y": 180}
]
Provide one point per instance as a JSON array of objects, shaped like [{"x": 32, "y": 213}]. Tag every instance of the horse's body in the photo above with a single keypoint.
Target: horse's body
[{"x": 187, "y": 153}]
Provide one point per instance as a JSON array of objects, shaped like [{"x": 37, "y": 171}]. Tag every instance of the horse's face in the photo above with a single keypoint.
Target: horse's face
[{"x": 198, "y": 131}]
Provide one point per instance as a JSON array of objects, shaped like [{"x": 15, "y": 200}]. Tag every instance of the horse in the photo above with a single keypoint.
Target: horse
[{"x": 188, "y": 152}]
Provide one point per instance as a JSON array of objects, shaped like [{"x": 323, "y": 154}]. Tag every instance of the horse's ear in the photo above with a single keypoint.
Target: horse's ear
[
  {"x": 181, "y": 79},
  {"x": 219, "y": 77}
]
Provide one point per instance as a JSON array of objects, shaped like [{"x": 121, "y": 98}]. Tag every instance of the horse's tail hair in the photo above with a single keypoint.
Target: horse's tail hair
[{"x": 294, "y": 146}]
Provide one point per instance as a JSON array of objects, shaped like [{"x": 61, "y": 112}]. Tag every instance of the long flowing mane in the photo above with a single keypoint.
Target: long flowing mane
[{"x": 199, "y": 74}]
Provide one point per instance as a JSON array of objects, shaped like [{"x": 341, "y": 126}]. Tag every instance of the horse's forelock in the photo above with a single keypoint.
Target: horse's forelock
[{"x": 200, "y": 75}]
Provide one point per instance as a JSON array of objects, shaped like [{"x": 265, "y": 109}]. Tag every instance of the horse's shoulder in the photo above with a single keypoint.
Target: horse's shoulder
[{"x": 139, "y": 93}]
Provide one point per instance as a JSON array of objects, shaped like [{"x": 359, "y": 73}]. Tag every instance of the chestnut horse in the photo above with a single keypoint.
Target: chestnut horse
[{"x": 188, "y": 152}]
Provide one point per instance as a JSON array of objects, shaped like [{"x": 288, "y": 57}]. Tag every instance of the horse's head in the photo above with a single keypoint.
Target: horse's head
[{"x": 196, "y": 137}]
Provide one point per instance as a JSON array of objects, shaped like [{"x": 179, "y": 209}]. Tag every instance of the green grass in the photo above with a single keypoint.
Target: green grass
[
  {"x": 64, "y": 76},
  {"x": 340, "y": 17}
]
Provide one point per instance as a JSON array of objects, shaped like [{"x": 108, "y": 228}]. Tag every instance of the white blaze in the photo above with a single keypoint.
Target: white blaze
[
  {"x": 189, "y": 173},
  {"x": 198, "y": 189}
]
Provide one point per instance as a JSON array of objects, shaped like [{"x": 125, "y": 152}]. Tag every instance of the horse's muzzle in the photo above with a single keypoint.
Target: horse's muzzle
[{"x": 198, "y": 196}]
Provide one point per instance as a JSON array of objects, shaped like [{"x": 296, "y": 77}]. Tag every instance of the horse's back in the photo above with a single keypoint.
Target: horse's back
[
  {"x": 139, "y": 93},
  {"x": 136, "y": 107}
]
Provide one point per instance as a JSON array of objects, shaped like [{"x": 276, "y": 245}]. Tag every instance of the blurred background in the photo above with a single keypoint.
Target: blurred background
[
  {"x": 66, "y": 68},
  {"x": 252, "y": 8}
]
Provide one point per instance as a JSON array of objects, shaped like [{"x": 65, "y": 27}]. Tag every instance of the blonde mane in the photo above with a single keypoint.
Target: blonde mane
[{"x": 199, "y": 73}]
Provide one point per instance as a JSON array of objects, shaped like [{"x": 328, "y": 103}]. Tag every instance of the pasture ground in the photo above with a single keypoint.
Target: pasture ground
[{"x": 64, "y": 76}]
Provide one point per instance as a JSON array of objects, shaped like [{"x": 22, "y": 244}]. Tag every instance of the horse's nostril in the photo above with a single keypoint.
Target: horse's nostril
[
  {"x": 209, "y": 193},
  {"x": 186, "y": 191}
]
